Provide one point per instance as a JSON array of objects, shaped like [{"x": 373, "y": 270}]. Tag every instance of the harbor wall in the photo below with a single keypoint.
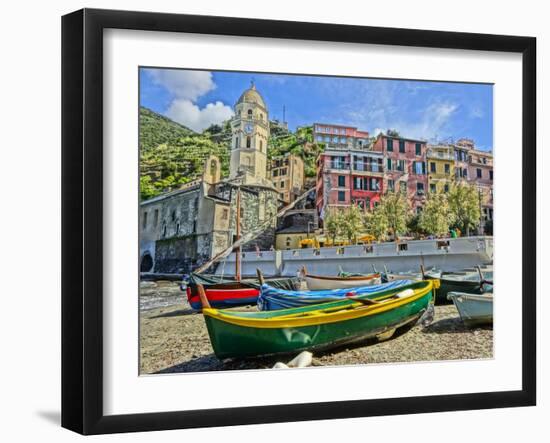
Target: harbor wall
[{"x": 445, "y": 254}]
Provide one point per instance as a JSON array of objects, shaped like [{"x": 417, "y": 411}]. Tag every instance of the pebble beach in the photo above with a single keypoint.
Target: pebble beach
[{"x": 173, "y": 338}]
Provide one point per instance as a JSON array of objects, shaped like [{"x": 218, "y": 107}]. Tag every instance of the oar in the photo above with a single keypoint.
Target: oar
[
  {"x": 202, "y": 295},
  {"x": 374, "y": 269}
]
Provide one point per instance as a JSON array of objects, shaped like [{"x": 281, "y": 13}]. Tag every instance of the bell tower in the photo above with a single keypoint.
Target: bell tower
[{"x": 250, "y": 134}]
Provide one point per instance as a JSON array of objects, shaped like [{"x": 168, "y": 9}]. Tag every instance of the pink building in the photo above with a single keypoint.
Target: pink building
[
  {"x": 349, "y": 177},
  {"x": 340, "y": 137},
  {"x": 405, "y": 165}
]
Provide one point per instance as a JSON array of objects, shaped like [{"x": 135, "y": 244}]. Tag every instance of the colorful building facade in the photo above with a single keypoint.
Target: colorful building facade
[
  {"x": 440, "y": 162},
  {"x": 338, "y": 137},
  {"x": 349, "y": 177},
  {"x": 480, "y": 169},
  {"x": 405, "y": 167}
]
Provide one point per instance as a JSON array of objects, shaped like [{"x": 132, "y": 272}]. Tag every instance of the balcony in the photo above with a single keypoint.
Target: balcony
[
  {"x": 368, "y": 167},
  {"x": 342, "y": 166}
]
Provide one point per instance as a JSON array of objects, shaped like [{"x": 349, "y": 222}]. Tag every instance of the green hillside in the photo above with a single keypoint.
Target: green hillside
[
  {"x": 299, "y": 143},
  {"x": 171, "y": 154}
]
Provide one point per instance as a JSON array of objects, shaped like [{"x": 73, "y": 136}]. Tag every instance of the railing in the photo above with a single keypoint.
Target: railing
[
  {"x": 368, "y": 167},
  {"x": 339, "y": 165}
]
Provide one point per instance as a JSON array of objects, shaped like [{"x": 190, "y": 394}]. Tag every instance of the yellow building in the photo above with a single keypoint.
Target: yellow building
[
  {"x": 441, "y": 167},
  {"x": 287, "y": 175},
  {"x": 290, "y": 238}
]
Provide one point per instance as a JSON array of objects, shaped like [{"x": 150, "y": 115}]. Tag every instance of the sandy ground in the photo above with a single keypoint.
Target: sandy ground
[{"x": 174, "y": 339}]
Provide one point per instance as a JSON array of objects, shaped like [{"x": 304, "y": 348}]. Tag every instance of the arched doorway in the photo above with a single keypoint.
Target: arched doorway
[{"x": 146, "y": 263}]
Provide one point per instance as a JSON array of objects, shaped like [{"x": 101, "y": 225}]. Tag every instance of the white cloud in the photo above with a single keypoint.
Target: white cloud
[
  {"x": 184, "y": 84},
  {"x": 189, "y": 114},
  {"x": 186, "y": 87}
]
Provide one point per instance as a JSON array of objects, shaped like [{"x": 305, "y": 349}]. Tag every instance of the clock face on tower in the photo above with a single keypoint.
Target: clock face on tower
[{"x": 248, "y": 128}]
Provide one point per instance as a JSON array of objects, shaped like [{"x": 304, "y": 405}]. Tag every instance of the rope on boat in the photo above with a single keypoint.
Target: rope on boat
[{"x": 251, "y": 235}]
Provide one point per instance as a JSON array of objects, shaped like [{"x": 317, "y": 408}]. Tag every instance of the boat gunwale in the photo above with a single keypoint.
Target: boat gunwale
[
  {"x": 315, "y": 317},
  {"x": 350, "y": 278}
]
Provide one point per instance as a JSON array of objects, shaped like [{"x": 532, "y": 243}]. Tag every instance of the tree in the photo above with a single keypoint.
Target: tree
[
  {"x": 351, "y": 223},
  {"x": 464, "y": 203},
  {"x": 376, "y": 223},
  {"x": 396, "y": 210},
  {"x": 392, "y": 133},
  {"x": 333, "y": 223},
  {"x": 436, "y": 216}
]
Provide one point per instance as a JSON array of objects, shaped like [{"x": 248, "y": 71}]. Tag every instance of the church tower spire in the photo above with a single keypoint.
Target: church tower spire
[{"x": 250, "y": 134}]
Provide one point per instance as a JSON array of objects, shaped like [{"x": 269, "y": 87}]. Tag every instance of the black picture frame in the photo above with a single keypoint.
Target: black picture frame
[{"x": 82, "y": 215}]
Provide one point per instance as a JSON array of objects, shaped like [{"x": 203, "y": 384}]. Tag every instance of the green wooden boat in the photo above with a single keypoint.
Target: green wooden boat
[{"x": 318, "y": 327}]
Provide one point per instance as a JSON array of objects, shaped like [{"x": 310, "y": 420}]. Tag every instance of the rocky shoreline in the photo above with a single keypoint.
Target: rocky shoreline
[{"x": 173, "y": 338}]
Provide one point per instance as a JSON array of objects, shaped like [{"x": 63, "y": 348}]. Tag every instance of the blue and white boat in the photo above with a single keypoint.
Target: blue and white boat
[{"x": 271, "y": 299}]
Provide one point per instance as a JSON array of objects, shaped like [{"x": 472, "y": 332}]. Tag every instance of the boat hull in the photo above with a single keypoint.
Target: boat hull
[
  {"x": 224, "y": 298},
  {"x": 473, "y": 309},
  {"x": 315, "y": 284},
  {"x": 451, "y": 285},
  {"x": 247, "y": 336}
]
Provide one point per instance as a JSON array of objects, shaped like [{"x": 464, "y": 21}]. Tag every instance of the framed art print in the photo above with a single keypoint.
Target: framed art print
[{"x": 269, "y": 208}]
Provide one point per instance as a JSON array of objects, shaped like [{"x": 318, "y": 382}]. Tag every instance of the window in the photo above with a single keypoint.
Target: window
[
  {"x": 177, "y": 228},
  {"x": 391, "y": 185},
  {"x": 484, "y": 160},
  {"x": 164, "y": 230},
  {"x": 248, "y": 142},
  {"x": 283, "y": 171},
  {"x": 465, "y": 173},
  {"x": 236, "y": 142},
  {"x": 418, "y": 149},
  {"x": 225, "y": 214},
  {"x": 173, "y": 215},
  {"x": 341, "y": 196},
  {"x": 334, "y": 139},
  {"x": 156, "y": 218},
  {"x": 419, "y": 188},
  {"x": 319, "y": 138},
  {"x": 374, "y": 184},
  {"x": 261, "y": 146},
  {"x": 446, "y": 188},
  {"x": 403, "y": 187},
  {"x": 342, "y": 139},
  {"x": 418, "y": 168},
  {"x": 367, "y": 203},
  {"x": 401, "y": 165},
  {"x": 432, "y": 187},
  {"x": 401, "y": 145},
  {"x": 432, "y": 167},
  {"x": 341, "y": 181},
  {"x": 447, "y": 168},
  {"x": 275, "y": 172},
  {"x": 144, "y": 226},
  {"x": 249, "y": 113},
  {"x": 491, "y": 174},
  {"x": 327, "y": 139},
  {"x": 389, "y": 164},
  {"x": 389, "y": 144},
  {"x": 478, "y": 173},
  {"x": 282, "y": 184}
]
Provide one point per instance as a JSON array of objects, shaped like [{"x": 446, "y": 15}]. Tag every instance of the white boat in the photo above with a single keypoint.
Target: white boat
[
  {"x": 474, "y": 309},
  {"x": 319, "y": 282}
]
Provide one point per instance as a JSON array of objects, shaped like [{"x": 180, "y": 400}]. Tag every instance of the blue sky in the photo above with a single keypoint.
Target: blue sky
[{"x": 435, "y": 111}]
